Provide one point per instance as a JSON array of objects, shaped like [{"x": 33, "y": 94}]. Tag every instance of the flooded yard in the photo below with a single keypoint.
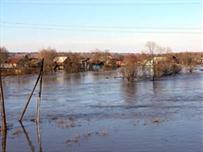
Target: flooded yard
[{"x": 97, "y": 112}]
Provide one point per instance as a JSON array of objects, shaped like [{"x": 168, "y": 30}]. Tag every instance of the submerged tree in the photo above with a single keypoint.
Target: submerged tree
[
  {"x": 162, "y": 61},
  {"x": 72, "y": 63},
  {"x": 188, "y": 60},
  {"x": 151, "y": 47},
  {"x": 131, "y": 67},
  {"x": 3, "y": 54},
  {"x": 48, "y": 55}
]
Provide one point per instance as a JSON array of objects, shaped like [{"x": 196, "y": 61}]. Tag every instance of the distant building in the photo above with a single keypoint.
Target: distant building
[
  {"x": 201, "y": 60},
  {"x": 60, "y": 59},
  {"x": 96, "y": 65},
  {"x": 85, "y": 64},
  {"x": 163, "y": 66},
  {"x": 7, "y": 66},
  {"x": 34, "y": 62},
  {"x": 148, "y": 67},
  {"x": 59, "y": 62},
  {"x": 12, "y": 62},
  {"x": 120, "y": 63},
  {"x": 150, "y": 62}
]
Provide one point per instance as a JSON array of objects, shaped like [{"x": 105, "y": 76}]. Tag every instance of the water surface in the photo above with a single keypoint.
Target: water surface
[{"x": 91, "y": 112}]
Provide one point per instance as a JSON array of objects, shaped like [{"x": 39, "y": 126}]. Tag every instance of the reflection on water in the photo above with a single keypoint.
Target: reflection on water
[
  {"x": 32, "y": 148},
  {"x": 4, "y": 141},
  {"x": 129, "y": 92},
  {"x": 28, "y": 139},
  {"x": 39, "y": 140},
  {"x": 164, "y": 115},
  {"x": 156, "y": 87}
]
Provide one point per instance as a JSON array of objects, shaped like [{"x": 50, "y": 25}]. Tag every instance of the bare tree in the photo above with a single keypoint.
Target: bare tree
[
  {"x": 48, "y": 55},
  {"x": 131, "y": 67},
  {"x": 3, "y": 54},
  {"x": 72, "y": 63},
  {"x": 159, "y": 61},
  {"x": 188, "y": 60},
  {"x": 151, "y": 46}
]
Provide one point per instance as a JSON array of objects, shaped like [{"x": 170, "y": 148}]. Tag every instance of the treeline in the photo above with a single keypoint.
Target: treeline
[
  {"x": 154, "y": 62},
  {"x": 157, "y": 61}
]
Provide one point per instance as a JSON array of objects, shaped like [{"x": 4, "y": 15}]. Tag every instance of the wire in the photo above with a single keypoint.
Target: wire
[
  {"x": 101, "y": 27},
  {"x": 79, "y": 3},
  {"x": 34, "y": 27}
]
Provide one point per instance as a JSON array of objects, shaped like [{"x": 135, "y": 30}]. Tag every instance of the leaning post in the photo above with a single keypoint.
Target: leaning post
[
  {"x": 29, "y": 99},
  {"x": 3, "y": 111},
  {"x": 40, "y": 92}
]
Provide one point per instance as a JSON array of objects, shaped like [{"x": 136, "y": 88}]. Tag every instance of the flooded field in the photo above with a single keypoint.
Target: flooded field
[{"x": 96, "y": 112}]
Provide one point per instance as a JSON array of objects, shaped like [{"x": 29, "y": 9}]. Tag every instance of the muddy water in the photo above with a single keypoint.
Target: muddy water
[{"x": 95, "y": 112}]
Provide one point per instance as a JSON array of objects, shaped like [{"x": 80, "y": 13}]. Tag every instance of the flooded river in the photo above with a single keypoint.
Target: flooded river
[{"x": 96, "y": 112}]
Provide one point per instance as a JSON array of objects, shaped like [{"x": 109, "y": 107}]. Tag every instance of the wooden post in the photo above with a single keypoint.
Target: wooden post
[
  {"x": 40, "y": 93},
  {"x": 154, "y": 69},
  {"x": 3, "y": 111},
  {"x": 3, "y": 115},
  {"x": 24, "y": 110}
]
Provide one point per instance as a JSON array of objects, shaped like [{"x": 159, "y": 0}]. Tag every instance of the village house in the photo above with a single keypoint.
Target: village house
[
  {"x": 59, "y": 61},
  {"x": 201, "y": 60},
  {"x": 96, "y": 65},
  {"x": 148, "y": 65},
  {"x": 150, "y": 62},
  {"x": 85, "y": 64},
  {"x": 11, "y": 63},
  {"x": 120, "y": 63},
  {"x": 34, "y": 62},
  {"x": 118, "y": 59}
]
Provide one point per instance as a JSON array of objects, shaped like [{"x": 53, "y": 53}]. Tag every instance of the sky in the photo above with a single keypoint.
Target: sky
[{"x": 86, "y": 25}]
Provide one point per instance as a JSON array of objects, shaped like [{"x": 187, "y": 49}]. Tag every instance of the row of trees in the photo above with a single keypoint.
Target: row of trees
[
  {"x": 158, "y": 60},
  {"x": 73, "y": 62}
]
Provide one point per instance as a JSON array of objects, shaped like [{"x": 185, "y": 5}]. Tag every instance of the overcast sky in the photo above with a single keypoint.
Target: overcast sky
[{"x": 122, "y": 25}]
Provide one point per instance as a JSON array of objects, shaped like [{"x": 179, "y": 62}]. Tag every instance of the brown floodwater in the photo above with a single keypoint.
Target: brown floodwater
[{"x": 97, "y": 112}]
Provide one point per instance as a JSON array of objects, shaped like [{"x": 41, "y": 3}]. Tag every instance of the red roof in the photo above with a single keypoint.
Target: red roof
[{"x": 14, "y": 60}]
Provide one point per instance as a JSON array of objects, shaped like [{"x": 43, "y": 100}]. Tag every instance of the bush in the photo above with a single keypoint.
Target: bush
[
  {"x": 72, "y": 63},
  {"x": 131, "y": 67},
  {"x": 48, "y": 55}
]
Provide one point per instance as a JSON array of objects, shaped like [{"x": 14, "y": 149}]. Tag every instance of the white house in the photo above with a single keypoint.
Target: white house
[{"x": 60, "y": 60}]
